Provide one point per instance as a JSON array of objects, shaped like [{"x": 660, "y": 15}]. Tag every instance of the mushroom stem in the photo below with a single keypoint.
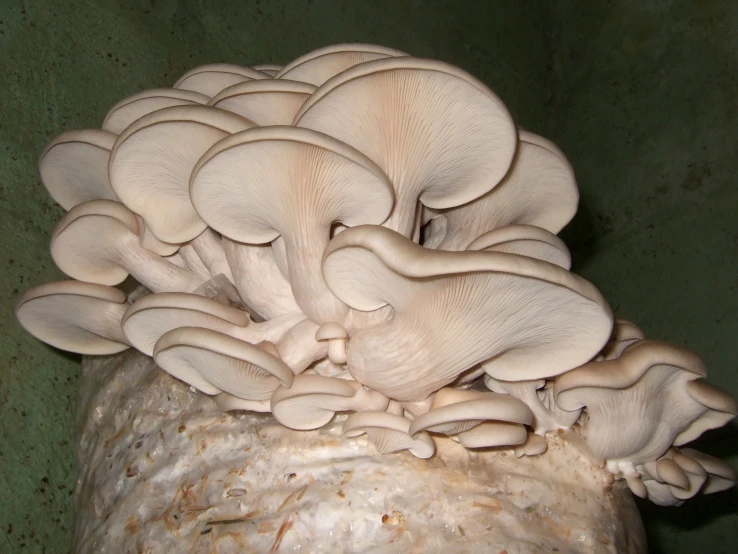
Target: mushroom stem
[
  {"x": 193, "y": 261},
  {"x": 298, "y": 347},
  {"x": 337, "y": 351},
  {"x": 209, "y": 250}
]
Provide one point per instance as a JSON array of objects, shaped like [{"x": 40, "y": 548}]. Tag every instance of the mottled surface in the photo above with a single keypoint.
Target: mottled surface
[
  {"x": 164, "y": 470},
  {"x": 641, "y": 99}
]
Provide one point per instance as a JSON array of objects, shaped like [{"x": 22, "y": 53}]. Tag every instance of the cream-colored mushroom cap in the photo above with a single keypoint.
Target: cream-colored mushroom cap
[
  {"x": 210, "y": 79},
  {"x": 720, "y": 476},
  {"x": 540, "y": 190},
  {"x": 142, "y": 103},
  {"x": 265, "y": 102},
  {"x": 526, "y": 318},
  {"x": 75, "y": 316},
  {"x": 150, "y": 165},
  {"x": 527, "y": 136},
  {"x": 624, "y": 333},
  {"x": 222, "y": 363},
  {"x": 229, "y": 403},
  {"x": 270, "y": 69},
  {"x": 640, "y": 403},
  {"x": 525, "y": 240},
  {"x": 313, "y": 400},
  {"x": 262, "y": 183},
  {"x": 389, "y": 433},
  {"x": 453, "y": 146},
  {"x": 97, "y": 242},
  {"x": 318, "y": 66},
  {"x": 74, "y": 167}
]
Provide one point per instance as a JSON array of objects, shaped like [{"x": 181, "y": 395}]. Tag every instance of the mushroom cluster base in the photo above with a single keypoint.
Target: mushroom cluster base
[{"x": 162, "y": 469}]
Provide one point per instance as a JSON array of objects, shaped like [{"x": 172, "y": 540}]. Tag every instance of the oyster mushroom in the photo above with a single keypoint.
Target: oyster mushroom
[
  {"x": 313, "y": 400},
  {"x": 97, "y": 242},
  {"x": 75, "y": 316},
  {"x": 270, "y": 69},
  {"x": 229, "y": 403},
  {"x": 525, "y": 240},
  {"x": 284, "y": 181},
  {"x": 624, "y": 333},
  {"x": 214, "y": 362},
  {"x": 389, "y": 433},
  {"x": 142, "y": 103},
  {"x": 319, "y": 65},
  {"x": 540, "y": 190},
  {"x": 452, "y": 310},
  {"x": 642, "y": 402},
  {"x": 74, "y": 167},
  {"x": 336, "y": 336},
  {"x": 265, "y": 102},
  {"x": 453, "y": 146},
  {"x": 210, "y": 79}
]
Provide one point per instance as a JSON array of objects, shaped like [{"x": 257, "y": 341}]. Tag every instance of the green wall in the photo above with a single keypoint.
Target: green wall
[{"x": 642, "y": 101}]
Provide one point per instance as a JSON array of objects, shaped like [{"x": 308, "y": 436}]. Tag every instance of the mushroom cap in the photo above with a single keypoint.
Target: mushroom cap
[
  {"x": 86, "y": 241},
  {"x": 525, "y": 240},
  {"x": 540, "y": 189},
  {"x": 313, "y": 400},
  {"x": 150, "y": 165},
  {"x": 490, "y": 434},
  {"x": 142, "y": 103},
  {"x": 221, "y": 362},
  {"x": 262, "y": 183},
  {"x": 210, "y": 79},
  {"x": 270, "y": 69},
  {"x": 455, "y": 145},
  {"x": 229, "y": 403},
  {"x": 458, "y": 417},
  {"x": 318, "y": 66},
  {"x": 624, "y": 333},
  {"x": 527, "y": 136},
  {"x": 74, "y": 316},
  {"x": 526, "y": 319},
  {"x": 331, "y": 330},
  {"x": 74, "y": 167},
  {"x": 265, "y": 102},
  {"x": 389, "y": 433},
  {"x": 720, "y": 476},
  {"x": 721, "y": 408},
  {"x": 150, "y": 317}
]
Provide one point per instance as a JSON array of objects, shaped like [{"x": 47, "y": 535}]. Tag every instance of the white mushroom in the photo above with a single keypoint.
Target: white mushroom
[
  {"x": 262, "y": 183},
  {"x": 525, "y": 240},
  {"x": 624, "y": 333},
  {"x": 138, "y": 105},
  {"x": 75, "y": 316},
  {"x": 265, "y": 102},
  {"x": 452, "y": 310},
  {"x": 210, "y": 79},
  {"x": 97, "y": 242},
  {"x": 270, "y": 69},
  {"x": 389, "y": 433},
  {"x": 229, "y": 403},
  {"x": 336, "y": 336},
  {"x": 313, "y": 400},
  {"x": 455, "y": 144}
]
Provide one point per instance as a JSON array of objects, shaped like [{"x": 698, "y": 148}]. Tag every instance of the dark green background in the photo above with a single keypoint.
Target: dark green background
[{"x": 642, "y": 97}]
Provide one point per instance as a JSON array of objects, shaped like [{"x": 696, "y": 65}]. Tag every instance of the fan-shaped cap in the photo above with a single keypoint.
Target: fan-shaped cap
[
  {"x": 624, "y": 333},
  {"x": 525, "y": 240},
  {"x": 262, "y": 183},
  {"x": 156, "y": 314},
  {"x": 539, "y": 190},
  {"x": 313, "y": 400},
  {"x": 318, "y": 66},
  {"x": 639, "y": 403},
  {"x": 491, "y": 434},
  {"x": 720, "y": 476},
  {"x": 210, "y": 79},
  {"x": 452, "y": 310},
  {"x": 456, "y": 411},
  {"x": 74, "y": 167},
  {"x": 265, "y": 102},
  {"x": 97, "y": 242},
  {"x": 142, "y": 103},
  {"x": 389, "y": 433},
  {"x": 441, "y": 136},
  {"x": 75, "y": 316},
  {"x": 533, "y": 446},
  {"x": 152, "y": 160},
  {"x": 222, "y": 363}
]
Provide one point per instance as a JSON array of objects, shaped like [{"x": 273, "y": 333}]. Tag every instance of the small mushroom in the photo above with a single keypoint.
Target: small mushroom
[
  {"x": 214, "y": 362},
  {"x": 262, "y": 183},
  {"x": 453, "y": 146},
  {"x": 336, "y": 336},
  {"x": 317, "y": 66},
  {"x": 142, "y": 103},
  {"x": 152, "y": 316},
  {"x": 313, "y": 400},
  {"x": 533, "y": 446},
  {"x": 525, "y": 318},
  {"x": 150, "y": 165},
  {"x": 525, "y": 240},
  {"x": 540, "y": 189},
  {"x": 720, "y": 476},
  {"x": 210, "y": 79},
  {"x": 265, "y": 102},
  {"x": 97, "y": 242},
  {"x": 389, "y": 433},
  {"x": 74, "y": 167},
  {"x": 642, "y": 402},
  {"x": 670, "y": 480},
  {"x": 75, "y": 316}
]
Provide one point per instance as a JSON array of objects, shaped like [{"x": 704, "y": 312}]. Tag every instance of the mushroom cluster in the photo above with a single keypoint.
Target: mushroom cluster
[{"x": 392, "y": 238}]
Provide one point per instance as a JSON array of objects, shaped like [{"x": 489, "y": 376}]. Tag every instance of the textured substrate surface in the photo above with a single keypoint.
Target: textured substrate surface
[{"x": 162, "y": 470}]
